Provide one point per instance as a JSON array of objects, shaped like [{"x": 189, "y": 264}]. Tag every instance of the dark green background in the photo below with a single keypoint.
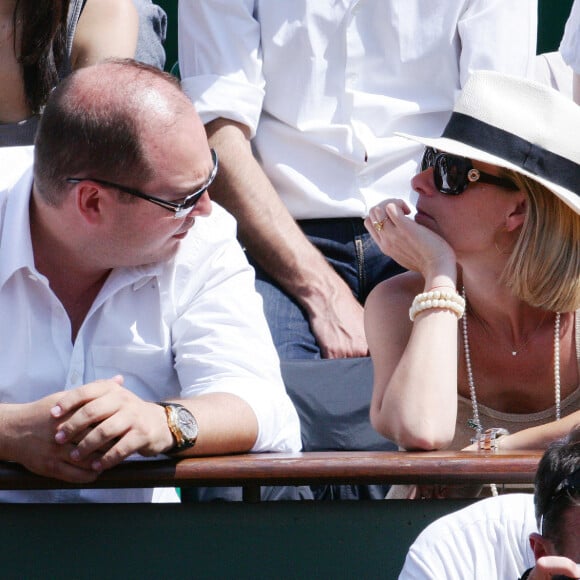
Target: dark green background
[{"x": 274, "y": 541}]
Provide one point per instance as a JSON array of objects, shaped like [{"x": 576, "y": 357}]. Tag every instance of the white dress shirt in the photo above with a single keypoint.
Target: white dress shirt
[
  {"x": 189, "y": 326},
  {"x": 14, "y": 161},
  {"x": 487, "y": 540},
  {"x": 324, "y": 85},
  {"x": 570, "y": 45}
]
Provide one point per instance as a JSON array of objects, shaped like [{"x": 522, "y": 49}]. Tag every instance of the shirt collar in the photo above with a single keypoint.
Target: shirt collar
[{"x": 15, "y": 242}]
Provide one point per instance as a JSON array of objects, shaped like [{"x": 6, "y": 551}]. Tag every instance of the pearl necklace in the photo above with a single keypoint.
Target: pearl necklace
[{"x": 476, "y": 423}]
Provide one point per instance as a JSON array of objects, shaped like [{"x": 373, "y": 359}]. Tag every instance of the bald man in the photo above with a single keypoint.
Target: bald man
[{"x": 130, "y": 323}]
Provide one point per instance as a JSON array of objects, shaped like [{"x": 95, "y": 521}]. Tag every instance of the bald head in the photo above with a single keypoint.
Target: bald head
[
  {"x": 101, "y": 120},
  {"x": 126, "y": 85}
]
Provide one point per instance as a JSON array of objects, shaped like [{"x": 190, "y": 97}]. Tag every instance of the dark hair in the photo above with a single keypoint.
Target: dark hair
[
  {"x": 95, "y": 128},
  {"x": 554, "y": 493},
  {"x": 41, "y": 27}
]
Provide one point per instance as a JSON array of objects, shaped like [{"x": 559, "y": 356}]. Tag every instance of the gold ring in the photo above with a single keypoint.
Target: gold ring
[{"x": 378, "y": 225}]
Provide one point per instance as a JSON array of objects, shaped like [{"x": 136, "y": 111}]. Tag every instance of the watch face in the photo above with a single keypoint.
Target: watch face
[{"x": 187, "y": 424}]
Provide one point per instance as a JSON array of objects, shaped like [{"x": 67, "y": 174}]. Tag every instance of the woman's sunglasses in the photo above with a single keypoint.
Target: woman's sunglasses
[{"x": 452, "y": 174}]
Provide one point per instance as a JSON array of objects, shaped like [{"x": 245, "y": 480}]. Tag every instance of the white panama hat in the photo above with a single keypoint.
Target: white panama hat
[{"x": 517, "y": 124}]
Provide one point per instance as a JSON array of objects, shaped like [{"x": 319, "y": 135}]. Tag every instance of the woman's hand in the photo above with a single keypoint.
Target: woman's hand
[{"x": 410, "y": 244}]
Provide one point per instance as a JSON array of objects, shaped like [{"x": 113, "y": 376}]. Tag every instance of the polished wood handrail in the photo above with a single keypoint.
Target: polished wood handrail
[{"x": 356, "y": 467}]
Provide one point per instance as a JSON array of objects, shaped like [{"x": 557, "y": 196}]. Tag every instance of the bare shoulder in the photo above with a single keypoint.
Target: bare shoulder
[
  {"x": 108, "y": 8},
  {"x": 396, "y": 292},
  {"x": 106, "y": 28},
  {"x": 387, "y": 309},
  {"x": 387, "y": 323}
]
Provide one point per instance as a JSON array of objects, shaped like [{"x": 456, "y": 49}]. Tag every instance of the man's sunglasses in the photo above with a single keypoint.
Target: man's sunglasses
[
  {"x": 452, "y": 174},
  {"x": 179, "y": 210}
]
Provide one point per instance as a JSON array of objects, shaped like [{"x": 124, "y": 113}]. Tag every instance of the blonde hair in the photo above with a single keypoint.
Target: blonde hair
[{"x": 544, "y": 267}]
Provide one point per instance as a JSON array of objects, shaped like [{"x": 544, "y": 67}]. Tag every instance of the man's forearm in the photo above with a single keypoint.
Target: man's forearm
[
  {"x": 275, "y": 241},
  {"x": 265, "y": 226},
  {"x": 226, "y": 424}
]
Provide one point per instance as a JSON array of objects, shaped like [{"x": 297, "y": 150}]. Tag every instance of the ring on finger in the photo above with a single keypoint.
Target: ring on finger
[{"x": 379, "y": 225}]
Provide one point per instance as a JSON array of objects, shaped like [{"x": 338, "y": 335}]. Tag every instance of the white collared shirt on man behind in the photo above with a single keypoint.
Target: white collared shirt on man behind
[{"x": 324, "y": 86}]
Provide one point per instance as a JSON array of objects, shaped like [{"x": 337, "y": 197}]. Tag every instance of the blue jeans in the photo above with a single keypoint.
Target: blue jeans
[{"x": 352, "y": 252}]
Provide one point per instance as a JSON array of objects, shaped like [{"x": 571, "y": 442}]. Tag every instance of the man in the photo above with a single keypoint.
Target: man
[
  {"x": 125, "y": 329},
  {"x": 301, "y": 100},
  {"x": 557, "y": 501},
  {"x": 497, "y": 537}
]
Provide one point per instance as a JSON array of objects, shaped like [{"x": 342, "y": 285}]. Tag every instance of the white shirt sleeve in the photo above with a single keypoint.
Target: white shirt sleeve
[
  {"x": 221, "y": 340},
  {"x": 486, "y": 540},
  {"x": 570, "y": 45},
  {"x": 498, "y": 35},
  {"x": 235, "y": 62}
]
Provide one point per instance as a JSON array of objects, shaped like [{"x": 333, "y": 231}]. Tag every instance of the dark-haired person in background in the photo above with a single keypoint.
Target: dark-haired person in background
[
  {"x": 41, "y": 41},
  {"x": 557, "y": 502}
]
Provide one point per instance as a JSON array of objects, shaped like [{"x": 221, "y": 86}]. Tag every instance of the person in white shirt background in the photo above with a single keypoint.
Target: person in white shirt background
[
  {"x": 301, "y": 101},
  {"x": 119, "y": 290},
  {"x": 570, "y": 46},
  {"x": 513, "y": 536}
]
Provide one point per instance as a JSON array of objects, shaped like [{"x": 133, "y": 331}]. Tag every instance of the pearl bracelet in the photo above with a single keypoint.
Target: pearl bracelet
[{"x": 444, "y": 300}]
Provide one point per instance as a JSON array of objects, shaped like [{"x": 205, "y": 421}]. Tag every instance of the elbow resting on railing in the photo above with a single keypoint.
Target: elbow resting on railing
[{"x": 415, "y": 435}]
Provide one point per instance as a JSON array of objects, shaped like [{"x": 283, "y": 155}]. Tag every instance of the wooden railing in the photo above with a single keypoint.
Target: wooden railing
[
  {"x": 245, "y": 540},
  {"x": 254, "y": 470}
]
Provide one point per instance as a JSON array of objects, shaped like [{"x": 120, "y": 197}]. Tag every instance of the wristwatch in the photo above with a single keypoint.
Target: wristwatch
[{"x": 182, "y": 425}]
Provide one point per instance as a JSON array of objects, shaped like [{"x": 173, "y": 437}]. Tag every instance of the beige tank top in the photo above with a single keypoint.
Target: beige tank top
[{"x": 513, "y": 422}]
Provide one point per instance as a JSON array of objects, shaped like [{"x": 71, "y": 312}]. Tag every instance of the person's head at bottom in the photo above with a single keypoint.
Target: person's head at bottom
[{"x": 557, "y": 500}]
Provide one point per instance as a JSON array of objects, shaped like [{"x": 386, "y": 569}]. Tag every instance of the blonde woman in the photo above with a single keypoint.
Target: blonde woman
[{"x": 478, "y": 344}]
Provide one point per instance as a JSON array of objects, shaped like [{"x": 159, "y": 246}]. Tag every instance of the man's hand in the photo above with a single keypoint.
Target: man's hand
[
  {"x": 108, "y": 423},
  {"x": 549, "y": 566},
  {"x": 337, "y": 322},
  {"x": 28, "y": 439}
]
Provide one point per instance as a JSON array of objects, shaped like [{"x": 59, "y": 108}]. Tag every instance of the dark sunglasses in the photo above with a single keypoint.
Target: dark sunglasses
[
  {"x": 452, "y": 174},
  {"x": 179, "y": 210}
]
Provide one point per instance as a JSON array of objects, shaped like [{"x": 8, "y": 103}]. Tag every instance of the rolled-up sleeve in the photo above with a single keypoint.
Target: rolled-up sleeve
[
  {"x": 570, "y": 45},
  {"x": 223, "y": 79},
  {"x": 498, "y": 35},
  {"x": 221, "y": 341}
]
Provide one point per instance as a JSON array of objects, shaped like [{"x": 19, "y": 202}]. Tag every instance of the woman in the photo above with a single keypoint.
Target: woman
[
  {"x": 497, "y": 237},
  {"x": 41, "y": 41}
]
